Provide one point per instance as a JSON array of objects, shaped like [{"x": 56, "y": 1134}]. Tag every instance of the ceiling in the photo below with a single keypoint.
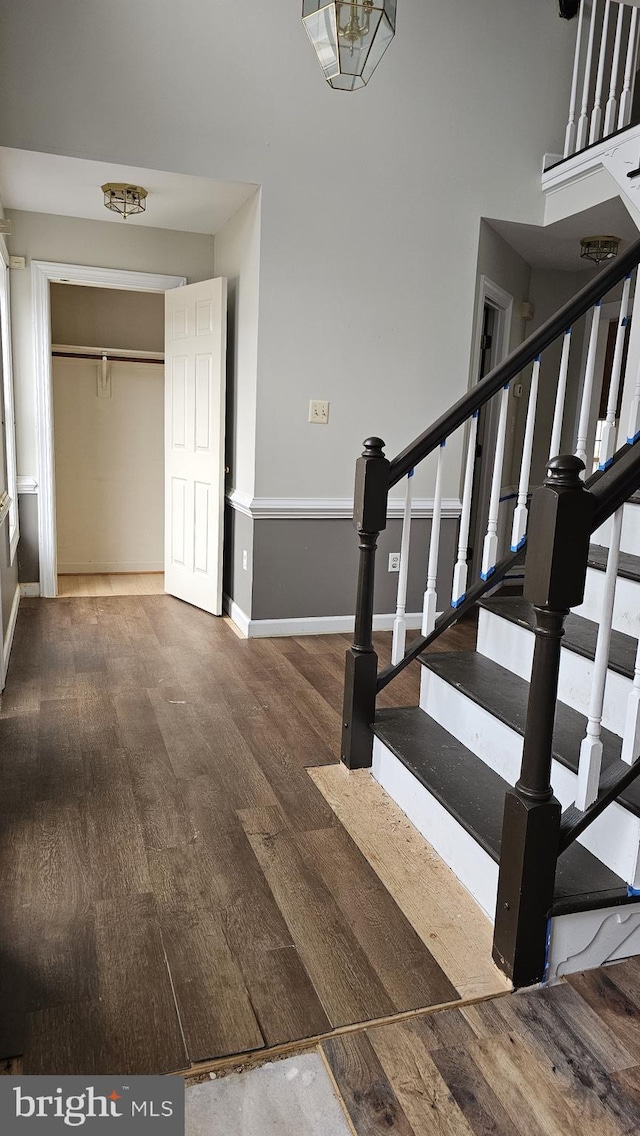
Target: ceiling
[
  {"x": 70, "y": 187},
  {"x": 558, "y": 246}
]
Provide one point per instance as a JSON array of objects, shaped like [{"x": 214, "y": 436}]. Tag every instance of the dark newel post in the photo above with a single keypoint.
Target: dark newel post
[
  {"x": 370, "y": 518},
  {"x": 557, "y": 547}
]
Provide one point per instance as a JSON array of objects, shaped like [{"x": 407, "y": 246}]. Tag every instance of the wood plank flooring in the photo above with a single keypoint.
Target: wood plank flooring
[
  {"x": 111, "y": 584},
  {"x": 560, "y": 1061},
  {"x": 175, "y": 886}
]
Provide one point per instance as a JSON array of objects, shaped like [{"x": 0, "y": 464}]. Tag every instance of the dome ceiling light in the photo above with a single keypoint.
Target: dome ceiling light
[
  {"x": 127, "y": 200},
  {"x": 598, "y": 249}
]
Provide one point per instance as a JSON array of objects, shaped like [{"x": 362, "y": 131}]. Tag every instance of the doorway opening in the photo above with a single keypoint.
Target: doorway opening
[
  {"x": 491, "y": 345},
  {"x": 108, "y": 414}
]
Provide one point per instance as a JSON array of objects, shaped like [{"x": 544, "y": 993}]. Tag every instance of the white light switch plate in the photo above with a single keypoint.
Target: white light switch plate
[{"x": 318, "y": 411}]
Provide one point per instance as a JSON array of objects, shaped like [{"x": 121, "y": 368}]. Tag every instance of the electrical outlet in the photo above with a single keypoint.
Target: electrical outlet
[
  {"x": 517, "y": 390},
  {"x": 394, "y": 561},
  {"x": 245, "y": 559},
  {"x": 318, "y": 411}
]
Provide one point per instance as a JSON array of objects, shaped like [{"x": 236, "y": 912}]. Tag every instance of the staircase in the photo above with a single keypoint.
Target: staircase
[{"x": 520, "y": 765}]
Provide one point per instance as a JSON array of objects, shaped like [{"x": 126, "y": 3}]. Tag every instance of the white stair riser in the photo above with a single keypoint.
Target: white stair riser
[
  {"x": 586, "y": 939},
  {"x": 626, "y": 610},
  {"x": 630, "y": 541},
  {"x": 614, "y": 837},
  {"x": 475, "y": 869},
  {"x": 511, "y": 646}
]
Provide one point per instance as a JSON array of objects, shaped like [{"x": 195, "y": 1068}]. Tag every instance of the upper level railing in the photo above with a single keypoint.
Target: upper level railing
[{"x": 604, "y": 72}]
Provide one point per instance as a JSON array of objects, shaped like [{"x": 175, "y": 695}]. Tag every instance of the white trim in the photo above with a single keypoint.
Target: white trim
[
  {"x": 329, "y": 508},
  {"x": 29, "y": 590},
  {"x": 235, "y": 613},
  {"x": 9, "y": 633},
  {"x": 309, "y": 625},
  {"x": 9, "y": 404},
  {"x": 580, "y": 165},
  {"x": 5, "y": 507},
  {"x": 93, "y": 568},
  {"x": 27, "y": 484},
  {"x": 43, "y": 273}
]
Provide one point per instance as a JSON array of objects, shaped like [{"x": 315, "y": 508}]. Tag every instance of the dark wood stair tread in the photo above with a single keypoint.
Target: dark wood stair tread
[
  {"x": 628, "y": 564},
  {"x": 505, "y": 695},
  {"x": 580, "y": 634},
  {"x": 474, "y": 795}
]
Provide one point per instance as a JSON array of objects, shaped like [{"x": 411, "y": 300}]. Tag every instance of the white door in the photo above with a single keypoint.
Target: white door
[{"x": 195, "y": 348}]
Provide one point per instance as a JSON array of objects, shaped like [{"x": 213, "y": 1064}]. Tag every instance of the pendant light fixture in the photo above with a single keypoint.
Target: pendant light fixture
[
  {"x": 349, "y": 38},
  {"x": 124, "y": 199}
]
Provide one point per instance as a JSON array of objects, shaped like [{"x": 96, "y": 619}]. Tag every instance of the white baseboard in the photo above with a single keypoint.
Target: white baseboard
[
  {"x": 29, "y": 590},
  {"x": 9, "y": 633},
  {"x": 93, "y": 568},
  {"x": 309, "y": 625}
]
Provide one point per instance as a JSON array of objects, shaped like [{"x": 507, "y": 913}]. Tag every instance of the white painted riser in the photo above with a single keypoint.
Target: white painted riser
[
  {"x": 626, "y": 610},
  {"x": 511, "y": 646},
  {"x": 614, "y": 837},
  {"x": 630, "y": 540},
  {"x": 576, "y": 942}
]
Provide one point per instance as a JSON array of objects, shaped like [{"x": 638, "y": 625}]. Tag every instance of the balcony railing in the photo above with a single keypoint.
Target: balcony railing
[{"x": 604, "y": 72}]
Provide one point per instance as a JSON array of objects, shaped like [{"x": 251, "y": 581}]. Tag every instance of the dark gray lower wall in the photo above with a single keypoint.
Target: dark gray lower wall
[
  {"x": 8, "y": 578},
  {"x": 28, "y": 557},
  {"x": 238, "y": 539},
  {"x": 305, "y": 568}
]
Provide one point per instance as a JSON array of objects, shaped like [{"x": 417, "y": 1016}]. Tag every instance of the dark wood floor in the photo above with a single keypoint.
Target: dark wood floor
[
  {"x": 562, "y": 1061},
  {"x": 174, "y": 886}
]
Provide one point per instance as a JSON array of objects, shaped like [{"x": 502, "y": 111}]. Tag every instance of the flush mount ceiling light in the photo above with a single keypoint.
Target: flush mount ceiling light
[
  {"x": 124, "y": 199},
  {"x": 349, "y": 38},
  {"x": 598, "y": 249}
]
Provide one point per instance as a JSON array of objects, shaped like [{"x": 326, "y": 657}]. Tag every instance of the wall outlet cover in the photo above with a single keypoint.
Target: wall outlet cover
[{"x": 318, "y": 411}]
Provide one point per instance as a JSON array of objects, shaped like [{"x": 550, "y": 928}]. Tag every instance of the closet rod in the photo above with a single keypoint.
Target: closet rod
[{"x": 97, "y": 355}]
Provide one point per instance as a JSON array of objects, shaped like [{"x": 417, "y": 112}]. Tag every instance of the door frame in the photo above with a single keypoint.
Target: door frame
[{"x": 43, "y": 274}]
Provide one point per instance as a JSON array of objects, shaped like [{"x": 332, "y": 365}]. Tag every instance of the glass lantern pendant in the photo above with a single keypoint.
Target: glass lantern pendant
[{"x": 349, "y": 38}]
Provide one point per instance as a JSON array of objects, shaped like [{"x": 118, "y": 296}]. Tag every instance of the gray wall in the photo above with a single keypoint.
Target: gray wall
[
  {"x": 309, "y": 568},
  {"x": 28, "y": 558}
]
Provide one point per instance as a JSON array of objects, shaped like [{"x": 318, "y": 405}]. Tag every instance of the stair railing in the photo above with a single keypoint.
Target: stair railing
[
  {"x": 375, "y": 476},
  {"x": 604, "y": 70},
  {"x": 564, "y": 513}
]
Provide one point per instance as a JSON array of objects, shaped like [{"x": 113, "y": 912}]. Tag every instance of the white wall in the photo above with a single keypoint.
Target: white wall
[
  {"x": 371, "y": 202},
  {"x": 237, "y": 256},
  {"x": 39, "y": 236},
  {"x": 107, "y": 317},
  {"x": 109, "y": 458}
]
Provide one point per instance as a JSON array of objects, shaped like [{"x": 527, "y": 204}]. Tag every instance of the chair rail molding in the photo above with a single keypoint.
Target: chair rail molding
[
  {"x": 329, "y": 508},
  {"x": 43, "y": 273}
]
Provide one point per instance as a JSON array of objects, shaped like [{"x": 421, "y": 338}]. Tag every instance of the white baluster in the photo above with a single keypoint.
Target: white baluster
[
  {"x": 461, "y": 569},
  {"x": 591, "y": 748},
  {"x": 596, "y": 113},
  {"x": 490, "y": 547},
  {"x": 583, "y": 121},
  {"x": 631, "y": 736},
  {"x": 558, "y": 413},
  {"x": 633, "y": 431},
  {"x": 570, "y": 134},
  {"x": 626, "y": 98},
  {"x": 610, "y": 111},
  {"x": 608, "y": 443},
  {"x": 430, "y": 595},
  {"x": 587, "y": 389},
  {"x": 400, "y": 622},
  {"x": 518, "y": 532}
]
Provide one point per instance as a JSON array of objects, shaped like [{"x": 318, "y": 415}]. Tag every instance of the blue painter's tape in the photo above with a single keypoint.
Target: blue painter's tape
[
  {"x": 521, "y": 544},
  {"x": 537, "y": 358},
  {"x": 598, "y": 304},
  {"x": 547, "y": 951},
  {"x": 411, "y": 473},
  {"x": 475, "y": 413},
  {"x": 624, "y": 321},
  {"x": 632, "y": 890},
  {"x": 443, "y": 442},
  {"x": 606, "y": 464},
  {"x": 632, "y": 441},
  {"x": 460, "y": 599},
  {"x": 486, "y": 575}
]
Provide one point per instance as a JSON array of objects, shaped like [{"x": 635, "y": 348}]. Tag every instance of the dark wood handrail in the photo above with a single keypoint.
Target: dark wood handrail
[
  {"x": 514, "y": 363},
  {"x": 617, "y": 484}
]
